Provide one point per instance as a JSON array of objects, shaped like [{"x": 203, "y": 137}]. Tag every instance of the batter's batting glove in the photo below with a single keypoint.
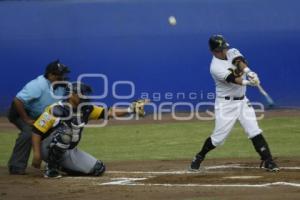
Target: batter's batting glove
[
  {"x": 252, "y": 75},
  {"x": 255, "y": 81},
  {"x": 138, "y": 107},
  {"x": 253, "y": 78}
]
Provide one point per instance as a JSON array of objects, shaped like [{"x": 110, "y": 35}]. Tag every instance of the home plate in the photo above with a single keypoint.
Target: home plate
[{"x": 242, "y": 177}]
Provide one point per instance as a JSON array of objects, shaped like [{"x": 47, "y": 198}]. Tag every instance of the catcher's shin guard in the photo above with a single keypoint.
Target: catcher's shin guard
[
  {"x": 55, "y": 156},
  {"x": 99, "y": 168}
]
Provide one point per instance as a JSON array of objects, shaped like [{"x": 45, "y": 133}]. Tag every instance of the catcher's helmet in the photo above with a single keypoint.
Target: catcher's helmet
[
  {"x": 217, "y": 43},
  {"x": 79, "y": 88}
]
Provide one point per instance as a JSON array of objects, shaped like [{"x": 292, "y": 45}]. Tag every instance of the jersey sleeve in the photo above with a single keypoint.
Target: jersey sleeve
[
  {"x": 29, "y": 92},
  {"x": 220, "y": 74},
  {"x": 97, "y": 113},
  {"x": 45, "y": 121},
  {"x": 233, "y": 54}
]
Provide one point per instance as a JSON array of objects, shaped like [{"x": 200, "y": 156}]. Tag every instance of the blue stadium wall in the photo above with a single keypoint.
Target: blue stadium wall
[{"x": 132, "y": 40}]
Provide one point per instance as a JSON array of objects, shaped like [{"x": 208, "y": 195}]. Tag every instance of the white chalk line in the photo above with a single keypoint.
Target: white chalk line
[
  {"x": 242, "y": 177},
  {"x": 131, "y": 182},
  {"x": 124, "y": 181},
  {"x": 235, "y": 166}
]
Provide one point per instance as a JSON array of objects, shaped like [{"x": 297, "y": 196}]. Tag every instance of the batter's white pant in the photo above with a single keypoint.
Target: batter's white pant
[{"x": 227, "y": 112}]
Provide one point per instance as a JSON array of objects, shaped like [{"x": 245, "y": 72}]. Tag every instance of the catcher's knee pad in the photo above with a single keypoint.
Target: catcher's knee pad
[
  {"x": 60, "y": 143},
  {"x": 98, "y": 169},
  {"x": 62, "y": 138}
]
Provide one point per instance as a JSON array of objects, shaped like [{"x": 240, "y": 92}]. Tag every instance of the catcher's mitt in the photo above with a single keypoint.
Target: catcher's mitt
[{"x": 138, "y": 107}]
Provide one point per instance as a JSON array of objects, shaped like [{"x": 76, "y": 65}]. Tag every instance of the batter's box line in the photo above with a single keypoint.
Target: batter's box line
[
  {"x": 131, "y": 182},
  {"x": 235, "y": 166}
]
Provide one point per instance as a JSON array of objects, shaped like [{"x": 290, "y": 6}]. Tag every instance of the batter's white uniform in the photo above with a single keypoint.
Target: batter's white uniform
[{"x": 227, "y": 112}]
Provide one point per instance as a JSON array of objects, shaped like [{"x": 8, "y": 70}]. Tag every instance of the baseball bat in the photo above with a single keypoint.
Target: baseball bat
[{"x": 266, "y": 95}]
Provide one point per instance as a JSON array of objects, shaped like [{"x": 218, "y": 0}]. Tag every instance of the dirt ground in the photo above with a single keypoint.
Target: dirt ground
[
  {"x": 164, "y": 179},
  {"x": 218, "y": 179}
]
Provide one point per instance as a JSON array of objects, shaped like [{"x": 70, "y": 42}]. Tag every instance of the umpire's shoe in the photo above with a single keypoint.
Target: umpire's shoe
[
  {"x": 270, "y": 165},
  {"x": 52, "y": 173},
  {"x": 195, "y": 165},
  {"x": 16, "y": 171}
]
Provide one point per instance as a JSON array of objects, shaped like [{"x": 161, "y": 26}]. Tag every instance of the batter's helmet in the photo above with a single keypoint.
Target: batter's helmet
[{"x": 217, "y": 43}]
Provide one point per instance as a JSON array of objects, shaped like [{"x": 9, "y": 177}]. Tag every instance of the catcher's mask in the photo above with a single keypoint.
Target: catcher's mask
[{"x": 81, "y": 89}]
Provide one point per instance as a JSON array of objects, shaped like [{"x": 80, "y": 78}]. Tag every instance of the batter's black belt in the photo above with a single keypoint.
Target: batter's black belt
[{"x": 234, "y": 98}]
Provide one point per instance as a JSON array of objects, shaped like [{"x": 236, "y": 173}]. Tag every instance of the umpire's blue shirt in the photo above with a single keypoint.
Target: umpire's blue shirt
[{"x": 36, "y": 96}]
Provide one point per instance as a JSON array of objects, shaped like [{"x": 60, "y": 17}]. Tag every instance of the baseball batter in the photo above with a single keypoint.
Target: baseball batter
[
  {"x": 58, "y": 131},
  {"x": 232, "y": 75}
]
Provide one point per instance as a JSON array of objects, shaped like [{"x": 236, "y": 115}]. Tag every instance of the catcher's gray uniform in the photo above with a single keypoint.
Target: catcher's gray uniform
[
  {"x": 73, "y": 160},
  {"x": 60, "y": 138}
]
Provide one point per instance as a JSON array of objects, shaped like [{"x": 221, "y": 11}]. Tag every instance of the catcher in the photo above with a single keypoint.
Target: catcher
[{"x": 58, "y": 131}]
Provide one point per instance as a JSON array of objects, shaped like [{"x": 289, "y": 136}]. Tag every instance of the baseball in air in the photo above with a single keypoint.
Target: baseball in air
[{"x": 172, "y": 21}]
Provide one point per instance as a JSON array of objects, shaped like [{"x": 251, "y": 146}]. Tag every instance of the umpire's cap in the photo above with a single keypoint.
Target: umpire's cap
[
  {"x": 82, "y": 89},
  {"x": 217, "y": 43},
  {"x": 57, "y": 68}
]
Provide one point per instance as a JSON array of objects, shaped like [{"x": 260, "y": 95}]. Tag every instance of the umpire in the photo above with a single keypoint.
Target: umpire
[{"x": 27, "y": 106}]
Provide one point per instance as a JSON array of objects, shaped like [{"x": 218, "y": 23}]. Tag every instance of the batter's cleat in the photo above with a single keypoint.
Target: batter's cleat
[
  {"x": 270, "y": 165},
  {"x": 52, "y": 173},
  {"x": 195, "y": 164}
]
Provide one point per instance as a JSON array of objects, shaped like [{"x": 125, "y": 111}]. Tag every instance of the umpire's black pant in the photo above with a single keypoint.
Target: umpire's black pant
[{"x": 21, "y": 152}]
